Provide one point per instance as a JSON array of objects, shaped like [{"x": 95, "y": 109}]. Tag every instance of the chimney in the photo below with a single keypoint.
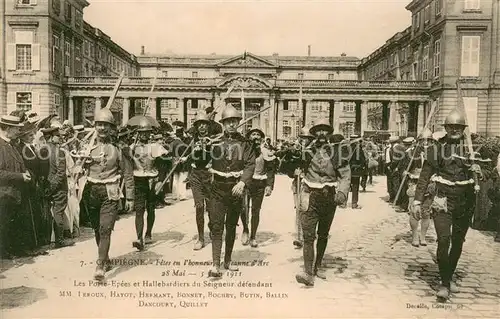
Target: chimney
[
  {"x": 309, "y": 50},
  {"x": 142, "y": 50}
]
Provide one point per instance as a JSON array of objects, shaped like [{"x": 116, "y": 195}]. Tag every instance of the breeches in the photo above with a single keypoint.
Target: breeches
[
  {"x": 226, "y": 208},
  {"x": 200, "y": 180},
  {"x": 102, "y": 211},
  {"x": 317, "y": 217}
]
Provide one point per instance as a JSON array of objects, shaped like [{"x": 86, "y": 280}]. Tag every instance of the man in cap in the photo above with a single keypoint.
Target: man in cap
[
  {"x": 392, "y": 153},
  {"x": 409, "y": 147},
  {"x": 105, "y": 165},
  {"x": 199, "y": 176},
  {"x": 415, "y": 165},
  {"x": 233, "y": 165},
  {"x": 453, "y": 206},
  {"x": 325, "y": 185},
  {"x": 262, "y": 183},
  {"x": 358, "y": 165},
  {"x": 56, "y": 190},
  {"x": 14, "y": 178},
  {"x": 146, "y": 156}
]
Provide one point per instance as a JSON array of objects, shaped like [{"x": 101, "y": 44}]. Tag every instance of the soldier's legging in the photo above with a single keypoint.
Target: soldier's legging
[
  {"x": 298, "y": 212},
  {"x": 200, "y": 180},
  {"x": 451, "y": 227},
  {"x": 144, "y": 200},
  {"x": 225, "y": 206},
  {"x": 256, "y": 190},
  {"x": 102, "y": 214},
  {"x": 317, "y": 218}
]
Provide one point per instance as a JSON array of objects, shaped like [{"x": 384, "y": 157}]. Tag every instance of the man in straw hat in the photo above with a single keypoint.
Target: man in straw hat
[
  {"x": 14, "y": 178},
  {"x": 448, "y": 165},
  {"x": 233, "y": 165},
  {"x": 325, "y": 185},
  {"x": 262, "y": 183}
]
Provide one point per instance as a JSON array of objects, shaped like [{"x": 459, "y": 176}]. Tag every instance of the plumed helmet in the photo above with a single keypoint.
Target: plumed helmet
[
  {"x": 256, "y": 129},
  {"x": 230, "y": 112},
  {"x": 322, "y": 124},
  {"x": 426, "y": 134},
  {"x": 104, "y": 115},
  {"x": 201, "y": 118},
  {"x": 455, "y": 117},
  {"x": 304, "y": 132}
]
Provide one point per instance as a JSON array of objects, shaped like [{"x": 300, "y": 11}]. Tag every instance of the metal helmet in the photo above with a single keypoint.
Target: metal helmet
[
  {"x": 144, "y": 125},
  {"x": 201, "y": 118},
  {"x": 304, "y": 133},
  {"x": 455, "y": 117},
  {"x": 256, "y": 129},
  {"x": 426, "y": 134},
  {"x": 104, "y": 115},
  {"x": 230, "y": 112},
  {"x": 322, "y": 124}
]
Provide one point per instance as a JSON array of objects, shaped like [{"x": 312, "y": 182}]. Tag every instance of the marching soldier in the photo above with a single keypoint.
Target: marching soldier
[
  {"x": 290, "y": 165},
  {"x": 105, "y": 166},
  {"x": 262, "y": 183},
  {"x": 57, "y": 184},
  {"x": 453, "y": 204},
  {"x": 199, "y": 177},
  {"x": 178, "y": 146},
  {"x": 406, "y": 150},
  {"x": 233, "y": 165},
  {"x": 146, "y": 156},
  {"x": 393, "y": 155},
  {"x": 327, "y": 177},
  {"x": 413, "y": 174},
  {"x": 358, "y": 165}
]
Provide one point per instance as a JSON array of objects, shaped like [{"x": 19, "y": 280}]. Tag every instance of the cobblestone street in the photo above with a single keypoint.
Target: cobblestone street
[{"x": 372, "y": 271}]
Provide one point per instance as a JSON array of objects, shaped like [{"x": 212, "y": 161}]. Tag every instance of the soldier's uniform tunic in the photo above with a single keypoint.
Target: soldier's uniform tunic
[
  {"x": 233, "y": 160},
  {"x": 264, "y": 176},
  {"x": 101, "y": 194},
  {"x": 453, "y": 204}
]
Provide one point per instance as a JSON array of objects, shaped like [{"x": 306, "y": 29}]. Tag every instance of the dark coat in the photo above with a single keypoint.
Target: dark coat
[{"x": 11, "y": 173}]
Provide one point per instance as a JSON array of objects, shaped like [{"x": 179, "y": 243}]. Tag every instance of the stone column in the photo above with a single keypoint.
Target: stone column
[
  {"x": 98, "y": 104},
  {"x": 358, "y": 118},
  {"x": 279, "y": 120},
  {"x": 181, "y": 106},
  {"x": 272, "y": 120},
  {"x": 331, "y": 112},
  {"x": 385, "y": 115},
  {"x": 125, "y": 110},
  {"x": 393, "y": 113},
  {"x": 336, "y": 115},
  {"x": 152, "y": 107},
  {"x": 71, "y": 110},
  {"x": 364, "y": 117},
  {"x": 263, "y": 116},
  {"x": 420, "y": 117}
]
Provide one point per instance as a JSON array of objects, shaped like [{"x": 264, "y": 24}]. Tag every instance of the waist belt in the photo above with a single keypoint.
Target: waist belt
[
  {"x": 259, "y": 177},
  {"x": 110, "y": 180},
  {"x": 320, "y": 185},
  {"x": 138, "y": 173},
  {"x": 226, "y": 174},
  {"x": 441, "y": 180}
]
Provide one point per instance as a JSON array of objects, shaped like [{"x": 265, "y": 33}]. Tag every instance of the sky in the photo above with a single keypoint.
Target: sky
[{"x": 286, "y": 27}]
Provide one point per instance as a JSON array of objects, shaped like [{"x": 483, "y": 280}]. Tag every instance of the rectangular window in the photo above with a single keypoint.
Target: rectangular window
[
  {"x": 68, "y": 11},
  {"x": 438, "y": 7},
  {"x": 57, "y": 100},
  {"x": 425, "y": 63},
  {"x": 78, "y": 20},
  {"x": 56, "y": 54},
  {"x": 437, "y": 58},
  {"x": 470, "y": 55},
  {"x": 348, "y": 106},
  {"x": 472, "y": 5},
  {"x": 403, "y": 54},
  {"x": 67, "y": 54},
  {"x": 56, "y": 6},
  {"x": 24, "y": 101},
  {"x": 285, "y": 105},
  {"x": 86, "y": 48},
  {"x": 471, "y": 107},
  {"x": 194, "y": 74},
  {"x": 23, "y": 54},
  {"x": 331, "y": 76},
  {"x": 26, "y": 2},
  {"x": 165, "y": 74},
  {"x": 300, "y": 76},
  {"x": 427, "y": 14}
]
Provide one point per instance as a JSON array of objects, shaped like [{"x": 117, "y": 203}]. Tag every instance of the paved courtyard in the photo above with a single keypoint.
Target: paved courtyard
[{"x": 372, "y": 271}]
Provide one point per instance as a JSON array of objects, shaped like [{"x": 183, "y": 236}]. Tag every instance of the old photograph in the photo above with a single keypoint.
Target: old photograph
[{"x": 250, "y": 159}]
